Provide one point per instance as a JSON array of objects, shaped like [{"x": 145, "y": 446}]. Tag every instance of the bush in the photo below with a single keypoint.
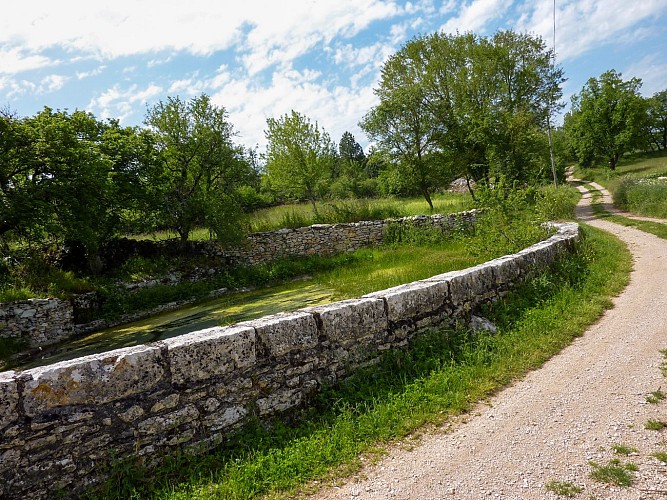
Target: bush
[
  {"x": 553, "y": 204},
  {"x": 644, "y": 196},
  {"x": 509, "y": 221}
]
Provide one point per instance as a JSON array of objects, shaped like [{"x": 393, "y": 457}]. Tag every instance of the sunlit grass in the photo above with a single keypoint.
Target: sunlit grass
[
  {"x": 443, "y": 374},
  {"x": 631, "y": 166},
  {"x": 294, "y": 215}
]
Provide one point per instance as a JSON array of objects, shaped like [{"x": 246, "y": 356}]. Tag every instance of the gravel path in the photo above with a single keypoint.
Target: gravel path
[{"x": 551, "y": 424}]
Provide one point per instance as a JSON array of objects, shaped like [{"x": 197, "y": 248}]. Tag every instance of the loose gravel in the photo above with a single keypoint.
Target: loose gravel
[{"x": 553, "y": 423}]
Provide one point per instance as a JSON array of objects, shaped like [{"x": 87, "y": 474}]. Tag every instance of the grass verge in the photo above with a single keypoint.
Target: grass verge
[
  {"x": 656, "y": 228},
  {"x": 443, "y": 374}
]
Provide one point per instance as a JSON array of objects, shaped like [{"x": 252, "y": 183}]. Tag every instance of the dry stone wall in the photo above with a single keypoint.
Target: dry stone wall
[
  {"x": 49, "y": 321},
  {"x": 60, "y": 425},
  {"x": 37, "y": 321}
]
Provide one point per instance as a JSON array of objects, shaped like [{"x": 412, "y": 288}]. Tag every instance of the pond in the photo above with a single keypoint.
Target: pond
[{"x": 225, "y": 310}]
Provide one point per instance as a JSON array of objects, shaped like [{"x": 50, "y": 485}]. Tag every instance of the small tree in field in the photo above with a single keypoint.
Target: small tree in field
[
  {"x": 202, "y": 166},
  {"x": 608, "y": 118},
  {"x": 299, "y": 156}
]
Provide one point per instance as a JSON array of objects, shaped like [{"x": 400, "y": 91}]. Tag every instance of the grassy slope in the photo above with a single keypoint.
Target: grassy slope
[
  {"x": 645, "y": 165},
  {"x": 444, "y": 374}
]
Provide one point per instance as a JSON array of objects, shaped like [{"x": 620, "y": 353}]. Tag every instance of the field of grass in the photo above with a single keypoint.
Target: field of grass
[
  {"x": 630, "y": 166},
  {"x": 634, "y": 184},
  {"x": 301, "y": 214},
  {"x": 443, "y": 374},
  {"x": 656, "y": 228}
]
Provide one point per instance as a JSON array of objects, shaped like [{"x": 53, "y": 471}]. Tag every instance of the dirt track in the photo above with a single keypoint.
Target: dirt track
[{"x": 549, "y": 425}]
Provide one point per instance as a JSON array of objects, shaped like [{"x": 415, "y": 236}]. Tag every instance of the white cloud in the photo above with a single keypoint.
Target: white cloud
[
  {"x": 80, "y": 75},
  {"x": 122, "y": 103},
  {"x": 582, "y": 25},
  {"x": 652, "y": 71},
  {"x": 14, "y": 60},
  {"x": 336, "y": 109},
  {"x": 474, "y": 16},
  {"x": 51, "y": 83}
]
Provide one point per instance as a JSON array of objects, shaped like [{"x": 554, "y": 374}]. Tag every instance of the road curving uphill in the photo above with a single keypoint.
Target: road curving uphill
[{"x": 548, "y": 428}]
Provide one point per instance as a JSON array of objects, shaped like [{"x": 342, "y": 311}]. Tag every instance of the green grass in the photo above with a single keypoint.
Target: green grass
[
  {"x": 295, "y": 215},
  {"x": 655, "y": 397},
  {"x": 630, "y": 166},
  {"x": 443, "y": 374},
  {"x": 563, "y": 489},
  {"x": 634, "y": 184},
  {"x": 621, "y": 449},
  {"x": 654, "y": 425},
  {"x": 656, "y": 228},
  {"x": 614, "y": 472},
  {"x": 661, "y": 455},
  {"x": 646, "y": 196}
]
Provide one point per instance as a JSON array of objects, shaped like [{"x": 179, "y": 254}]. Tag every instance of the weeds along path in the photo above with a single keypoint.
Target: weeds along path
[
  {"x": 607, "y": 202},
  {"x": 547, "y": 428}
]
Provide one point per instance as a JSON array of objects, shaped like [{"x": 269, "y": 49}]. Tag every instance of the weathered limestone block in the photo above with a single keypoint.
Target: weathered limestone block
[
  {"x": 413, "y": 300},
  {"x": 229, "y": 417},
  {"x": 208, "y": 353},
  {"x": 166, "y": 422},
  {"x": 506, "y": 271},
  {"x": 9, "y": 398},
  {"x": 285, "y": 332},
  {"x": 351, "y": 319},
  {"x": 96, "y": 379}
]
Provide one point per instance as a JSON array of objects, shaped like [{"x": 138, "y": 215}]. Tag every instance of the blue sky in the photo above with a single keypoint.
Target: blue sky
[{"x": 263, "y": 58}]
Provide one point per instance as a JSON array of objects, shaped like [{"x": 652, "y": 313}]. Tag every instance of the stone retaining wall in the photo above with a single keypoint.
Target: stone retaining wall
[
  {"x": 37, "y": 321},
  {"x": 49, "y": 321},
  {"x": 60, "y": 425}
]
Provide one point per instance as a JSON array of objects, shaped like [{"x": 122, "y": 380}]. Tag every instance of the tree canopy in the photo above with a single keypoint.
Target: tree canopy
[
  {"x": 607, "y": 118},
  {"x": 465, "y": 105},
  {"x": 299, "y": 156},
  {"x": 202, "y": 166}
]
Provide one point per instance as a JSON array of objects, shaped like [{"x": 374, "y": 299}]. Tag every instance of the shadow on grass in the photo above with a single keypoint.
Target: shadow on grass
[{"x": 441, "y": 374}]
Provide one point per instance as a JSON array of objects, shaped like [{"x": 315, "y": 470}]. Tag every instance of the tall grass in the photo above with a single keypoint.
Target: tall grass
[
  {"x": 629, "y": 166},
  {"x": 442, "y": 374},
  {"x": 647, "y": 197},
  {"x": 295, "y": 215}
]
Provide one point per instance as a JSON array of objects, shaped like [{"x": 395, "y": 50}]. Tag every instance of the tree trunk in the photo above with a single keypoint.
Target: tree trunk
[
  {"x": 612, "y": 162},
  {"x": 470, "y": 189},
  {"x": 427, "y": 196}
]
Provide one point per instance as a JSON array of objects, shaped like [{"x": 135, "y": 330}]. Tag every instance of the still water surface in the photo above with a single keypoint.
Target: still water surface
[{"x": 225, "y": 310}]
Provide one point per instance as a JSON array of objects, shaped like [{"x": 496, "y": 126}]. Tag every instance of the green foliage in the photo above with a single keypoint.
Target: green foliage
[
  {"x": 299, "y": 157},
  {"x": 661, "y": 455},
  {"x": 31, "y": 273},
  {"x": 643, "y": 196},
  {"x": 443, "y": 373},
  {"x": 654, "y": 425},
  {"x": 461, "y": 105},
  {"x": 613, "y": 473},
  {"x": 556, "y": 204},
  {"x": 657, "y": 120},
  {"x": 507, "y": 222},
  {"x": 655, "y": 397},
  {"x": 202, "y": 167},
  {"x": 621, "y": 449},
  {"x": 563, "y": 488},
  {"x": 608, "y": 118}
]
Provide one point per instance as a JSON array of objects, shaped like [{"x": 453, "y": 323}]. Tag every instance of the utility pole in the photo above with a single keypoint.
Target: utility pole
[{"x": 553, "y": 65}]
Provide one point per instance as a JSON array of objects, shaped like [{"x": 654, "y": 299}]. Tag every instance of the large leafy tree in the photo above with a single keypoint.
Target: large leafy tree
[
  {"x": 607, "y": 118},
  {"x": 21, "y": 195},
  {"x": 466, "y": 105},
  {"x": 299, "y": 156},
  {"x": 405, "y": 123},
  {"x": 657, "y": 120},
  {"x": 202, "y": 166}
]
